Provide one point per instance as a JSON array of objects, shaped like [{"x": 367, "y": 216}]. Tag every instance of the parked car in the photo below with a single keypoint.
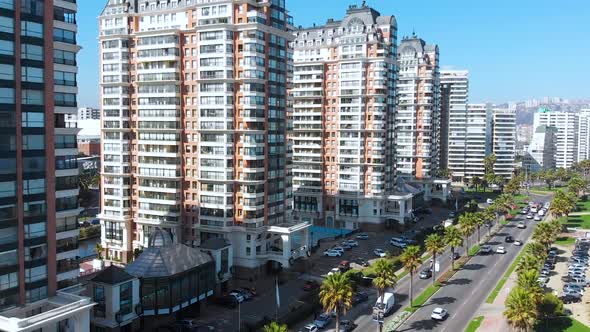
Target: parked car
[
  {"x": 362, "y": 262},
  {"x": 347, "y": 326},
  {"x": 509, "y": 239},
  {"x": 239, "y": 297},
  {"x": 332, "y": 253},
  {"x": 455, "y": 256},
  {"x": 309, "y": 328},
  {"x": 244, "y": 293},
  {"x": 379, "y": 253},
  {"x": 537, "y": 218},
  {"x": 352, "y": 243},
  {"x": 570, "y": 298},
  {"x": 529, "y": 216},
  {"x": 573, "y": 287},
  {"x": 439, "y": 314},
  {"x": 500, "y": 250},
  {"x": 490, "y": 201},
  {"x": 426, "y": 273},
  {"x": 346, "y": 246},
  {"x": 543, "y": 280},
  {"x": 322, "y": 321},
  {"x": 344, "y": 266},
  {"x": 362, "y": 236},
  {"x": 398, "y": 244},
  {"x": 518, "y": 243},
  {"x": 521, "y": 225},
  {"x": 338, "y": 248},
  {"x": 310, "y": 285},
  {"x": 334, "y": 271},
  {"x": 359, "y": 297}
]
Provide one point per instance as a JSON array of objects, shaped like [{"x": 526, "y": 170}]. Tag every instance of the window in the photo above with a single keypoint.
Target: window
[
  {"x": 64, "y": 36},
  {"x": 99, "y": 298},
  {"x": 7, "y": 259},
  {"x": 6, "y": 72},
  {"x": 33, "y": 7},
  {"x": 6, "y": 24},
  {"x": 65, "y": 141},
  {"x": 6, "y": 96},
  {"x": 6, "y": 47},
  {"x": 8, "y": 281},
  {"x": 33, "y": 164},
  {"x": 33, "y": 142},
  {"x": 31, "y": 29},
  {"x": 31, "y": 52},
  {"x": 32, "y": 97},
  {"x": 36, "y": 273},
  {"x": 7, "y": 4},
  {"x": 65, "y": 99},
  {"x": 7, "y": 189},
  {"x": 33, "y": 119},
  {"x": 32, "y": 74},
  {"x": 35, "y": 252},
  {"x": 64, "y": 15},
  {"x": 64, "y": 57},
  {"x": 35, "y": 186},
  {"x": 36, "y": 294},
  {"x": 125, "y": 298},
  {"x": 64, "y": 78},
  {"x": 35, "y": 230}
]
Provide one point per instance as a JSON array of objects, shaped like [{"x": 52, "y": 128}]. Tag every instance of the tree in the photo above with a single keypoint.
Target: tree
[
  {"x": 275, "y": 327},
  {"x": 527, "y": 280},
  {"x": 99, "y": 250},
  {"x": 549, "y": 177},
  {"x": 489, "y": 176},
  {"x": 336, "y": 295},
  {"x": 521, "y": 310},
  {"x": 466, "y": 226},
  {"x": 384, "y": 276},
  {"x": 475, "y": 182},
  {"x": 489, "y": 215},
  {"x": 550, "y": 307},
  {"x": 513, "y": 186},
  {"x": 479, "y": 220},
  {"x": 538, "y": 250},
  {"x": 544, "y": 234},
  {"x": 453, "y": 239},
  {"x": 576, "y": 185},
  {"x": 435, "y": 245},
  {"x": 444, "y": 173},
  {"x": 411, "y": 260},
  {"x": 561, "y": 174},
  {"x": 528, "y": 262}
]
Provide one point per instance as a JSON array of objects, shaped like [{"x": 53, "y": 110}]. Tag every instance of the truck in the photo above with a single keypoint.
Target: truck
[{"x": 383, "y": 304}]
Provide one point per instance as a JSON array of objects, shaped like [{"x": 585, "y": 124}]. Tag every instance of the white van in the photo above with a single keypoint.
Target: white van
[{"x": 386, "y": 305}]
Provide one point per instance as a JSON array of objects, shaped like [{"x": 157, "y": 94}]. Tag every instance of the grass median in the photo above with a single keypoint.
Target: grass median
[
  {"x": 474, "y": 250},
  {"x": 423, "y": 297},
  {"x": 502, "y": 281},
  {"x": 474, "y": 324}
]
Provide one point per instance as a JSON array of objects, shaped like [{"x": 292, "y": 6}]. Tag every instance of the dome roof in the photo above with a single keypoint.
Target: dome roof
[{"x": 160, "y": 238}]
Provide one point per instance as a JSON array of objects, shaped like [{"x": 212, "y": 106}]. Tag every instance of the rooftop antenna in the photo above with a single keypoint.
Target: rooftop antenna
[
  {"x": 413, "y": 32},
  {"x": 364, "y": 4}
]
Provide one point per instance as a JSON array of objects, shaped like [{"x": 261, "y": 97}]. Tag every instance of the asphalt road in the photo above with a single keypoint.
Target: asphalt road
[{"x": 470, "y": 287}]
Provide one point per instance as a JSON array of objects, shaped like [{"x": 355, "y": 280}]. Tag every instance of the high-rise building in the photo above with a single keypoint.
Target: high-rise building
[
  {"x": 193, "y": 123},
  {"x": 504, "y": 141},
  {"x": 39, "y": 172},
  {"x": 566, "y": 145},
  {"x": 454, "y": 87},
  {"x": 477, "y": 140},
  {"x": 88, "y": 113},
  {"x": 540, "y": 154},
  {"x": 343, "y": 122},
  {"x": 417, "y": 123},
  {"x": 583, "y": 135}
]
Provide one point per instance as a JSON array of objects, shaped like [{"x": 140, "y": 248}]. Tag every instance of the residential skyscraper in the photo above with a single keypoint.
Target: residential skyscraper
[
  {"x": 566, "y": 145},
  {"x": 417, "y": 123},
  {"x": 454, "y": 86},
  {"x": 540, "y": 154},
  {"x": 477, "y": 140},
  {"x": 504, "y": 141},
  {"x": 193, "y": 123},
  {"x": 343, "y": 122},
  {"x": 583, "y": 135},
  {"x": 38, "y": 173},
  {"x": 88, "y": 113}
]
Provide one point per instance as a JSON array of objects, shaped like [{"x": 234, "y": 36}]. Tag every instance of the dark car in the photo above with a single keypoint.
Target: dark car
[
  {"x": 347, "y": 326},
  {"x": 245, "y": 293},
  {"x": 455, "y": 256},
  {"x": 359, "y": 297},
  {"x": 570, "y": 298},
  {"x": 362, "y": 262},
  {"x": 227, "y": 301},
  {"x": 425, "y": 274},
  {"x": 509, "y": 239},
  {"x": 310, "y": 285}
]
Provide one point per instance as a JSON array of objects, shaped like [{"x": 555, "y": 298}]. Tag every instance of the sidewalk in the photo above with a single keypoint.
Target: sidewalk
[{"x": 493, "y": 313}]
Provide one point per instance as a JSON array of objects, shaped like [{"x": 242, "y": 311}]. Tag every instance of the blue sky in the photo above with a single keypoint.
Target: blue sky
[{"x": 514, "y": 49}]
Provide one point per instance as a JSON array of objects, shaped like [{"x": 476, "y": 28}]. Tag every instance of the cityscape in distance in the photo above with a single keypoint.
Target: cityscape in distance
[{"x": 293, "y": 166}]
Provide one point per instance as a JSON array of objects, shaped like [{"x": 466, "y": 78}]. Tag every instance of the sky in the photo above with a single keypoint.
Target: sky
[{"x": 514, "y": 49}]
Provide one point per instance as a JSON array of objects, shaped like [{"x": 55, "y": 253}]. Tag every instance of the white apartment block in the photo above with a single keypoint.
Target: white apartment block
[
  {"x": 504, "y": 141},
  {"x": 193, "y": 127},
  {"x": 454, "y": 86},
  {"x": 477, "y": 140},
  {"x": 583, "y": 140},
  {"x": 417, "y": 123},
  {"x": 540, "y": 154},
  {"x": 566, "y": 142},
  {"x": 343, "y": 122},
  {"x": 88, "y": 113}
]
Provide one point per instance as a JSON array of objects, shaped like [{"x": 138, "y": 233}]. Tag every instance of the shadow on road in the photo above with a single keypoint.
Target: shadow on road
[
  {"x": 473, "y": 267},
  {"x": 460, "y": 281},
  {"x": 425, "y": 324},
  {"x": 495, "y": 243},
  {"x": 399, "y": 298},
  {"x": 443, "y": 300}
]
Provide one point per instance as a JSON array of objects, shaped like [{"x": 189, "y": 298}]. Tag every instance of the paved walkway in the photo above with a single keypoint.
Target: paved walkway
[
  {"x": 494, "y": 318},
  {"x": 582, "y": 213}
]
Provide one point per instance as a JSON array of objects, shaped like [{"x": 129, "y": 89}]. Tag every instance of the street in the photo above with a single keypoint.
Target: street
[{"x": 462, "y": 295}]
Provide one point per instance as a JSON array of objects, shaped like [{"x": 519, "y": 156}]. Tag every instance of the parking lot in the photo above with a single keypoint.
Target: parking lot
[{"x": 581, "y": 309}]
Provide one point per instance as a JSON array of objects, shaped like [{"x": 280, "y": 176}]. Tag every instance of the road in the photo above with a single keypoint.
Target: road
[{"x": 470, "y": 287}]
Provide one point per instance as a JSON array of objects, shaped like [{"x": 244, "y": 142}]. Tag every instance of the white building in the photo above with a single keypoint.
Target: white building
[
  {"x": 583, "y": 139},
  {"x": 88, "y": 113},
  {"x": 540, "y": 154},
  {"x": 454, "y": 94},
  {"x": 504, "y": 141},
  {"x": 477, "y": 138},
  {"x": 566, "y": 142}
]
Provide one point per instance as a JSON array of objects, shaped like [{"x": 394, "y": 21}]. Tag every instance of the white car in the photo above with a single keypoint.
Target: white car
[
  {"x": 529, "y": 216},
  {"x": 517, "y": 243},
  {"x": 543, "y": 280},
  {"x": 239, "y": 297},
  {"x": 379, "y": 253},
  {"x": 362, "y": 236},
  {"x": 500, "y": 250},
  {"x": 334, "y": 271},
  {"x": 521, "y": 225},
  {"x": 332, "y": 253},
  {"x": 490, "y": 201},
  {"x": 541, "y": 213},
  {"x": 309, "y": 328},
  {"x": 352, "y": 243},
  {"x": 439, "y": 314},
  {"x": 537, "y": 218}
]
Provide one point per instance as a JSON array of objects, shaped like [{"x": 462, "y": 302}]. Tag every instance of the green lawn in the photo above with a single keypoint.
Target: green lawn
[
  {"x": 565, "y": 325},
  {"x": 583, "y": 206},
  {"x": 422, "y": 298},
  {"x": 474, "y": 250},
  {"x": 565, "y": 240},
  {"x": 502, "y": 281},
  {"x": 474, "y": 324},
  {"x": 579, "y": 221}
]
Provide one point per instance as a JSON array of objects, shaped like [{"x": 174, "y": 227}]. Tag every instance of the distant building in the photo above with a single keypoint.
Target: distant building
[
  {"x": 504, "y": 141},
  {"x": 88, "y": 113},
  {"x": 566, "y": 145},
  {"x": 540, "y": 153},
  {"x": 454, "y": 94},
  {"x": 583, "y": 139}
]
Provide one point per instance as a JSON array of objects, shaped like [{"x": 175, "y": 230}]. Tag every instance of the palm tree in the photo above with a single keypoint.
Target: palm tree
[
  {"x": 537, "y": 250},
  {"x": 275, "y": 327},
  {"x": 453, "y": 239},
  {"x": 521, "y": 310},
  {"x": 466, "y": 226},
  {"x": 489, "y": 215},
  {"x": 544, "y": 234},
  {"x": 411, "y": 260},
  {"x": 99, "y": 249},
  {"x": 475, "y": 182},
  {"x": 527, "y": 280},
  {"x": 336, "y": 295},
  {"x": 434, "y": 244},
  {"x": 479, "y": 220},
  {"x": 384, "y": 276},
  {"x": 528, "y": 262}
]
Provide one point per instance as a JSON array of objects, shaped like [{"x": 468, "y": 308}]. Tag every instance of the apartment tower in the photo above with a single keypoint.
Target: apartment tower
[
  {"x": 194, "y": 125},
  {"x": 417, "y": 123},
  {"x": 504, "y": 141},
  {"x": 566, "y": 139},
  {"x": 38, "y": 172},
  {"x": 343, "y": 121},
  {"x": 454, "y": 87},
  {"x": 477, "y": 140}
]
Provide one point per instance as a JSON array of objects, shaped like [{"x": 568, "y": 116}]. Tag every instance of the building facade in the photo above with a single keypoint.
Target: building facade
[
  {"x": 477, "y": 140},
  {"x": 566, "y": 144},
  {"x": 454, "y": 87},
  {"x": 193, "y": 126},
  {"x": 418, "y": 121},
  {"x": 39, "y": 173},
  {"x": 504, "y": 141},
  {"x": 343, "y": 122},
  {"x": 540, "y": 154},
  {"x": 583, "y": 135},
  {"x": 88, "y": 113}
]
